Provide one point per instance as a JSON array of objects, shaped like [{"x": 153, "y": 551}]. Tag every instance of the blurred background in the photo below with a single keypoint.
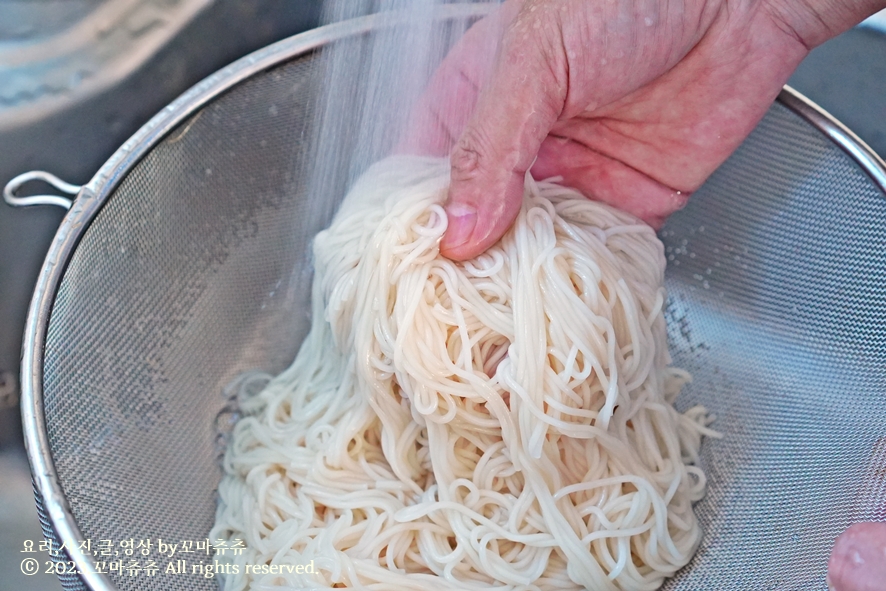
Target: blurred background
[{"x": 78, "y": 77}]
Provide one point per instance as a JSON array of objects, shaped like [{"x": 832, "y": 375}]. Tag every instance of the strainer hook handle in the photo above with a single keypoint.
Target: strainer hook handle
[{"x": 9, "y": 191}]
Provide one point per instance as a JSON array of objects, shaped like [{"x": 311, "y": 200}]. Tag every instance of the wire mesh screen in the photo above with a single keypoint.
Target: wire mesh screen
[
  {"x": 778, "y": 308},
  {"x": 196, "y": 270}
]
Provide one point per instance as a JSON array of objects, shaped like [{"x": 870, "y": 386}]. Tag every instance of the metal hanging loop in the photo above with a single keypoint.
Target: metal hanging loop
[{"x": 9, "y": 191}]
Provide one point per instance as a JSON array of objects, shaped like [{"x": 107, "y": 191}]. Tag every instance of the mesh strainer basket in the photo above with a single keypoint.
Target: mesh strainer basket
[{"x": 184, "y": 263}]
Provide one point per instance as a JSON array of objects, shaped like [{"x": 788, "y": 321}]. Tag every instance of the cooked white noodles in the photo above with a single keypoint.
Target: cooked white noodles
[{"x": 506, "y": 423}]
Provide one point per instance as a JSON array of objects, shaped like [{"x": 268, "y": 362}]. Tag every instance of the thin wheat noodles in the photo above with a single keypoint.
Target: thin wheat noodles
[{"x": 505, "y": 423}]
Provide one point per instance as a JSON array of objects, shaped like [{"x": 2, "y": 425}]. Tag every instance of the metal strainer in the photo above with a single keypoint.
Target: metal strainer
[{"x": 184, "y": 263}]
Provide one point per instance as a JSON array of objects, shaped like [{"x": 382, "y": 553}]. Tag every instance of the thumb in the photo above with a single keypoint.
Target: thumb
[
  {"x": 856, "y": 562},
  {"x": 515, "y": 111}
]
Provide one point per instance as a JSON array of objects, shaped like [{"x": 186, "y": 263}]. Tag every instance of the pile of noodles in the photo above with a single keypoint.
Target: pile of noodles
[{"x": 504, "y": 423}]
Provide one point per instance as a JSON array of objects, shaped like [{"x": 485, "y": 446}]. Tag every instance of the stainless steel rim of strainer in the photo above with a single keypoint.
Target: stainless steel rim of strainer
[{"x": 93, "y": 196}]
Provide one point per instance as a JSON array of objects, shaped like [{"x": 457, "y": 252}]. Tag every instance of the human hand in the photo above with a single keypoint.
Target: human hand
[
  {"x": 632, "y": 102},
  {"x": 858, "y": 561}
]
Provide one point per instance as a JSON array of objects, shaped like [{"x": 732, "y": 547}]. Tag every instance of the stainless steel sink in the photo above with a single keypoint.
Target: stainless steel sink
[{"x": 76, "y": 80}]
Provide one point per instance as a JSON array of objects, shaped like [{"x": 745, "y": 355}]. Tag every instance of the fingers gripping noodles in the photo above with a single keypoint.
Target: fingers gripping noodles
[{"x": 504, "y": 423}]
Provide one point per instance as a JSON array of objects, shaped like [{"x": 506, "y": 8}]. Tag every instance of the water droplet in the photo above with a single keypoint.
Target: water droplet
[{"x": 225, "y": 420}]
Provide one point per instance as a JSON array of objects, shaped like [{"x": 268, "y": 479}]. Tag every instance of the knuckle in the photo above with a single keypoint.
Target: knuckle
[{"x": 466, "y": 156}]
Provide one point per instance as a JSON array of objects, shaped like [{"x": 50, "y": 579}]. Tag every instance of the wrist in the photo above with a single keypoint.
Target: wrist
[{"x": 813, "y": 22}]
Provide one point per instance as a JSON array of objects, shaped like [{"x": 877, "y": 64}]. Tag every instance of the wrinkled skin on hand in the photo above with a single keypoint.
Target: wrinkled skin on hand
[{"x": 633, "y": 102}]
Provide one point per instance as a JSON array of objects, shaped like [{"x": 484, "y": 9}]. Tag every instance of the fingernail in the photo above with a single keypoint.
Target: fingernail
[{"x": 462, "y": 219}]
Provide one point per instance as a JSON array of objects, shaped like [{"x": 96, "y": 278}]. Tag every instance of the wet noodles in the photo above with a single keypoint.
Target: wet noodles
[{"x": 504, "y": 423}]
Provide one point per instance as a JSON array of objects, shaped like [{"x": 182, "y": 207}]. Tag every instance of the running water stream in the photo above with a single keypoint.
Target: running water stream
[{"x": 368, "y": 86}]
